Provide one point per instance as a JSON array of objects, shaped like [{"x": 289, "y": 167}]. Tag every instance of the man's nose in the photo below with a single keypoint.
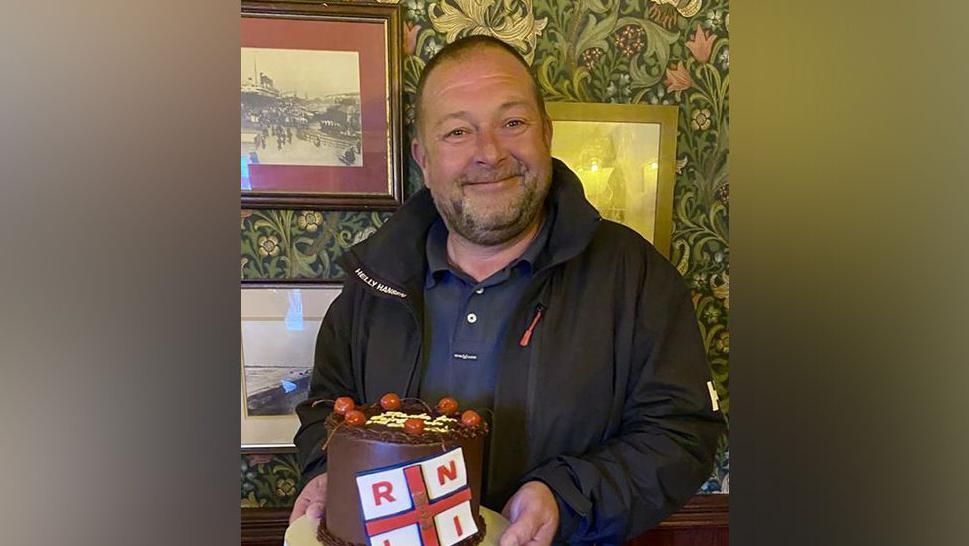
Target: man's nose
[{"x": 490, "y": 150}]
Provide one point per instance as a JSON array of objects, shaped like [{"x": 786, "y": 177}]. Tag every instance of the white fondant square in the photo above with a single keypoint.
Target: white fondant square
[
  {"x": 454, "y": 524},
  {"x": 405, "y": 536},
  {"x": 383, "y": 493},
  {"x": 445, "y": 474}
]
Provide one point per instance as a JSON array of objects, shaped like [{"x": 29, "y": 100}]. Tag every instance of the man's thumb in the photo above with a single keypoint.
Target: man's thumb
[
  {"x": 519, "y": 532},
  {"x": 315, "y": 511}
]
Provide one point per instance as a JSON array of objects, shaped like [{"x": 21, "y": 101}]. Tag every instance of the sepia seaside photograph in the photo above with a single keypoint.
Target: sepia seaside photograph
[
  {"x": 301, "y": 107},
  {"x": 277, "y": 360},
  {"x": 279, "y": 327}
]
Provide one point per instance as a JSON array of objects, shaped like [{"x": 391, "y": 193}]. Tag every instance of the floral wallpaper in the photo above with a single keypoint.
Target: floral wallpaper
[
  {"x": 287, "y": 244},
  {"x": 269, "y": 480},
  {"x": 630, "y": 51}
]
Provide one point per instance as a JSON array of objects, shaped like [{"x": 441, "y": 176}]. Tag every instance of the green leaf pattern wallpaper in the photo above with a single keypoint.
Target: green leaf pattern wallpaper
[{"x": 630, "y": 51}]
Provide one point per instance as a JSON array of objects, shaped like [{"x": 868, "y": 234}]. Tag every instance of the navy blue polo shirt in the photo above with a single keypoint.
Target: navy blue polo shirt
[{"x": 469, "y": 321}]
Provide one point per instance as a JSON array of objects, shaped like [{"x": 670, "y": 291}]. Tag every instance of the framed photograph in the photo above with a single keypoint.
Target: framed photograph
[
  {"x": 625, "y": 155},
  {"x": 279, "y": 328},
  {"x": 320, "y": 105}
]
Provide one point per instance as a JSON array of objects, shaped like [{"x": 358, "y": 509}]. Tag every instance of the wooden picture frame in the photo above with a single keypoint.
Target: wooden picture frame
[
  {"x": 320, "y": 105},
  {"x": 625, "y": 155}
]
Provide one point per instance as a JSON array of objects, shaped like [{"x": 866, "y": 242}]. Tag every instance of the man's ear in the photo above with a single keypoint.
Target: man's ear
[{"x": 419, "y": 154}]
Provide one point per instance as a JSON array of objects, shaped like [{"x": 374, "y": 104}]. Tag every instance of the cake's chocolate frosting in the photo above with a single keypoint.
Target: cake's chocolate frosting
[
  {"x": 375, "y": 431},
  {"x": 351, "y": 450}
]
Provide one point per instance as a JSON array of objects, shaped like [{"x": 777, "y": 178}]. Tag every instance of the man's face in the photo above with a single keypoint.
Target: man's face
[{"x": 484, "y": 146}]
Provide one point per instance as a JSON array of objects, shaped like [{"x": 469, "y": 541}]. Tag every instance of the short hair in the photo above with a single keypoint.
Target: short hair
[{"x": 462, "y": 47}]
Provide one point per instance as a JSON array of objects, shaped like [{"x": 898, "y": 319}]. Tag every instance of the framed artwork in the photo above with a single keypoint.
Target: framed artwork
[
  {"x": 279, "y": 327},
  {"x": 625, "y": 155},
  {"x": 320, "y": 105}
]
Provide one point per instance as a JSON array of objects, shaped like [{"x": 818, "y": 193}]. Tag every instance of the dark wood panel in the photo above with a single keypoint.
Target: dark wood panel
[
  {"x": 703, "y": 521},
  {"x": 713, "y": 536},
  {"x": 701, "y": 511},
  {"x": 264, "y": 526}
]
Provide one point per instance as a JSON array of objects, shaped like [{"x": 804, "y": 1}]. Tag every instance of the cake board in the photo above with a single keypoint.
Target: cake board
[{"x": 303, "y": 531}]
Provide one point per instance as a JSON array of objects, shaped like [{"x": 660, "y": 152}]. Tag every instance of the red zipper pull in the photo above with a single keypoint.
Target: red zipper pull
[{"x": 527, "y": 336}]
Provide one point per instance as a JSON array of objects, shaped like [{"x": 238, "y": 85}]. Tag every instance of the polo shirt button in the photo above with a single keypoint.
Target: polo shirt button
[
  {"x": 479, "y": 291},
  {"x": 472, "y": 318}
]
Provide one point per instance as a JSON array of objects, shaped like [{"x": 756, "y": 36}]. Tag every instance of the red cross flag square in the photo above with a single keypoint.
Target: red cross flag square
[{"x": 420, "y": 503}]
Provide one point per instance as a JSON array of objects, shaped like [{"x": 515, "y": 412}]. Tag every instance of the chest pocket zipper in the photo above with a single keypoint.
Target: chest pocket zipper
[{"x": 527, "y": 335}]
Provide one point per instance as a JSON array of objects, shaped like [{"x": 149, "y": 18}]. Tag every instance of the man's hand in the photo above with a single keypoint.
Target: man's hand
[
  {"x": 311, "y": 500},
  {"x": 534, "y": 516}
]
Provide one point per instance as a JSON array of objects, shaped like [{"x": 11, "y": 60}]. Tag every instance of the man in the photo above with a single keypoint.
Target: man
[{"x": 501, "y": 285}]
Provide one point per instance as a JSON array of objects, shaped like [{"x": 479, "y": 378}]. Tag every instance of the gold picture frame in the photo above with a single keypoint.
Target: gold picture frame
[{"x": 625, "y": 155}]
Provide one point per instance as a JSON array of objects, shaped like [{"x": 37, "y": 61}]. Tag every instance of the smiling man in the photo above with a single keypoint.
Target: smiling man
[
  {"x": 483, "y": 144},
  {"x": 505, "y": 289}
]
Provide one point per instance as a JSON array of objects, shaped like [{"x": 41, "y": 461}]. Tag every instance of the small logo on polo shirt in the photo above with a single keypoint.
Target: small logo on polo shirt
[{"x": 465, "y": 356}]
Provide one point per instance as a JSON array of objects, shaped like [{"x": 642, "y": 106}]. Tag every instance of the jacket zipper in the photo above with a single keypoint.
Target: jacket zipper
[{"x": 527, "y": 335}]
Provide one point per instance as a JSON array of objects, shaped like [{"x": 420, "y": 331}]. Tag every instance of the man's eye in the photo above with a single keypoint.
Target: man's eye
[
  {"x": 515, "y": 123},
  {"x": 456, "y": 133}
]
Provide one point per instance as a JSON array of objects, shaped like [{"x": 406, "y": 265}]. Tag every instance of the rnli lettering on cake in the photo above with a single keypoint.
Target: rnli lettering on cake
[
  {"x": 424, "y": 502},
  {"x": 377, "y": 285}
]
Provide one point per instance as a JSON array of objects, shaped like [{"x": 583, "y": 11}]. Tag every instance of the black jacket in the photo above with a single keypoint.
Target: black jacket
[{"x": 607, "y": 404}]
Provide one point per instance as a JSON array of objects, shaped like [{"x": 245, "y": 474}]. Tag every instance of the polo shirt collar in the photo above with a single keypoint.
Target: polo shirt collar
[{"x": 436, "y": 249}]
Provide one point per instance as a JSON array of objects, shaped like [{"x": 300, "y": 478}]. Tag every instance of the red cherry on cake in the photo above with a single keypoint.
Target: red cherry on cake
[
  {"x": 470, "y": 418},
  {"x": 355, "y": 418},
  {"x": 390, "y": 402},
  {"x": 447, "y": 405},
  {"x": 343, "y": 404},
  {"x": 414, "y": 426}
]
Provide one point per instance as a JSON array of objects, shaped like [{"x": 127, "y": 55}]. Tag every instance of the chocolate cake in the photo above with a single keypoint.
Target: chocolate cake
[{"x": 403, "y": 474}]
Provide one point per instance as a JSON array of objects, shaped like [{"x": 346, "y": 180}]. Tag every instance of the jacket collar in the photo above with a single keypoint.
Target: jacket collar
[{"x": 392, "y": 260}]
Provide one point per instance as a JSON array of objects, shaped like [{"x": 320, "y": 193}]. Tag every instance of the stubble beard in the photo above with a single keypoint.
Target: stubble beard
[{"x": 489, "y": 225}]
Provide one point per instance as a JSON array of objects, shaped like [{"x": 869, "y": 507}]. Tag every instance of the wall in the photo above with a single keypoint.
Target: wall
[{"x": 638, "y": 51}]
